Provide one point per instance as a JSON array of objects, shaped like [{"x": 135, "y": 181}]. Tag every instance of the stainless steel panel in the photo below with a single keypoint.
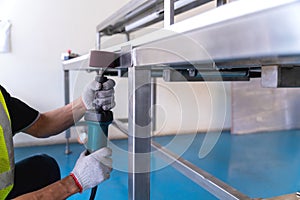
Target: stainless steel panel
[
  {"x": 257, "y": 109},
  {"x": 263, "y": 33}
]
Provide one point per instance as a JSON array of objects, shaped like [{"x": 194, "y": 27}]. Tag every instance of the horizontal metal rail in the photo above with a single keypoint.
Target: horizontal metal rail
[
  {"x": 245, "y": 38},
  {"x": 142, "y": 13},
  {"x": 210, "y": 183}
]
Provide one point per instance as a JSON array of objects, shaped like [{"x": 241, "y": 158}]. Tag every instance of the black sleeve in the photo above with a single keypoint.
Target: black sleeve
[{"x": 21, "y": 114}]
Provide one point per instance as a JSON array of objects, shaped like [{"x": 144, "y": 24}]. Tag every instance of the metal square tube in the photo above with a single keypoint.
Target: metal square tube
[{"x": 139, "y": 133}]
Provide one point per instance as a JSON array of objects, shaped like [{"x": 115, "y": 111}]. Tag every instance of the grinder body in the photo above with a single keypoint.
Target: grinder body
[{"x": 98, "y": 121}]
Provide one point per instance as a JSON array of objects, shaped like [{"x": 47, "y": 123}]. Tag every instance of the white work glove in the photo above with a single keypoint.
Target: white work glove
[
  {"x": 100, "y": 95},
  {"x": 93, "y": 169}
]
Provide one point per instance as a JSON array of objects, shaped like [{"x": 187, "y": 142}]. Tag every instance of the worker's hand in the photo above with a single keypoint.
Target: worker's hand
[
  {"x": 93, "y": 169},
  {"x": 99, "y": 95}
]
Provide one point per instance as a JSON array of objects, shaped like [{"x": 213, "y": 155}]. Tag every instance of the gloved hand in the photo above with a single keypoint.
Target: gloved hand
[
  {"x": 100, "y": 95},
  {"x": 93, "y": 169}
]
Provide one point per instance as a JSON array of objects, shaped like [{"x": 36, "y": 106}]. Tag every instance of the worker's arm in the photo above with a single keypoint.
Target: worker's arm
[
  {"x": 89, "y": 171},
  {"x": 58, "y": 190},
  {"x": 54, "y": 122}
]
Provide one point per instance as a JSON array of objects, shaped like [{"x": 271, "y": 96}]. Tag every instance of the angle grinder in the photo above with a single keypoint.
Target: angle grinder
[{"x": 98, "y": 120}]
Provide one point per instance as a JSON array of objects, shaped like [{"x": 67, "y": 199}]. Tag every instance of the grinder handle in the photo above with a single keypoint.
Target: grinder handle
[{"x": 100, "y": 79}]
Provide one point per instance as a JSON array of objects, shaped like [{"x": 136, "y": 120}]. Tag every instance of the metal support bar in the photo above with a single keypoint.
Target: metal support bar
[
  {"x": 139, "y": 135},
  {"x": 127, "y": 36},
  {"x": 67, "y": 101},
  {"x": 98, "y": 40},
  {"x": 168, "y": 12},
  {"x": 210, "y": 183},
  {"x": 280, "y": 76},
  {"x": 221, "y": 2},
  {"x": 153, "y": 102},
  {"x": 171, "y": 75}
]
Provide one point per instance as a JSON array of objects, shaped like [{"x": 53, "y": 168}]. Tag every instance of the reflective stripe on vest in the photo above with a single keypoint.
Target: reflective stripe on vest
[{"x": 6, "y": 151}]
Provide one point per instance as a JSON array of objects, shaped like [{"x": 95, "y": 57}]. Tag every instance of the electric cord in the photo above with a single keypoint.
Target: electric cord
[
  {"x": 94, "y": 189},
  {"x": 93, "y": 193}
]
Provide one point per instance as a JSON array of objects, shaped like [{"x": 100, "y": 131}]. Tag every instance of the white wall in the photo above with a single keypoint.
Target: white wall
[{"x": 42, "y": 30}]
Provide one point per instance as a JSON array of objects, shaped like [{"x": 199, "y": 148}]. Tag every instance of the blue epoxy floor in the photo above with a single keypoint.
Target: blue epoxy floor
[{"x": 258, "y": 165}]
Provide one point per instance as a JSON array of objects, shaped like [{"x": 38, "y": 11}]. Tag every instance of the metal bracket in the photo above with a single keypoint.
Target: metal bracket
[
  {"x": 125, "y": 58},
  {"x": 171, "y": 75},
  {"x": 276, "y": 76}
]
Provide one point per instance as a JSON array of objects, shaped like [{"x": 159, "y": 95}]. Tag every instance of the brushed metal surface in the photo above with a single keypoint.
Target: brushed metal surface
[{"x": 257, "y": 109}]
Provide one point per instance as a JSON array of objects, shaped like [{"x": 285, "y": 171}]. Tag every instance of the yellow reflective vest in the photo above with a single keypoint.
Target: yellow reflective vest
[{"x": 6, "y": 151}]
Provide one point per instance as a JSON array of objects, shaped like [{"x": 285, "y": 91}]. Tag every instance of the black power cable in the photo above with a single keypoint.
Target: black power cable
[{"x": 93, "y": 193}]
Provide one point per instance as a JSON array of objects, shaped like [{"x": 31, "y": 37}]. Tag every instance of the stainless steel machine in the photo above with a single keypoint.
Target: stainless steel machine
[{"x": 235, "y": 41}]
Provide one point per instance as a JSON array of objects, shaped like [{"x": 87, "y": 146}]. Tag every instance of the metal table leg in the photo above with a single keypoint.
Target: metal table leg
[
  {"x": 139, "y": 133},
  {"x": 67, "y": 100}
]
